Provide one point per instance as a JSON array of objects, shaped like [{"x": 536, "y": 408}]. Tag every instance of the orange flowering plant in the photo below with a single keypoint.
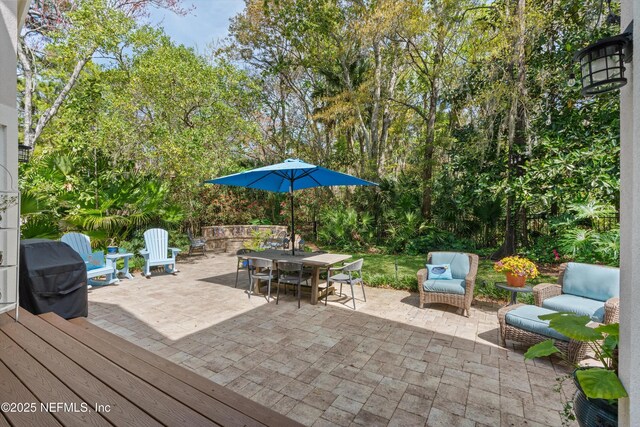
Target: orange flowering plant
[{"x": 517, "y": 266}]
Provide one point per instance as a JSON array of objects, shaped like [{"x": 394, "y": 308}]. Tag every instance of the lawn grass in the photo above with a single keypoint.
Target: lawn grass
[{"x": 380, "y": 271}]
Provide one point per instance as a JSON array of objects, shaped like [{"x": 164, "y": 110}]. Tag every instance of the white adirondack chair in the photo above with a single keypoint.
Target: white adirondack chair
[
  {"x": 157, "y": 250},
  {"x": 82, "y": 244}
]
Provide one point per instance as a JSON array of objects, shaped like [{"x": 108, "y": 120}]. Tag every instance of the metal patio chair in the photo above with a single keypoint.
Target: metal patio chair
[{"x": 351, "y": 274}]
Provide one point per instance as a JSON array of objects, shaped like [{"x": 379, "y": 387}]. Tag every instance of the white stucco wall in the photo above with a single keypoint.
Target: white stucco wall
[
  {"x": 629, "y": 411},
  {"x": 8, "y": 115}
]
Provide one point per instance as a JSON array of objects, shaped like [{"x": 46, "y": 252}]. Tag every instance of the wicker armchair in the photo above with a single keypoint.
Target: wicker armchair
[
  {"x": 545, "y": 291},
  {"x": 575, "y": 350},
  {"x": 462, "y": 301}
]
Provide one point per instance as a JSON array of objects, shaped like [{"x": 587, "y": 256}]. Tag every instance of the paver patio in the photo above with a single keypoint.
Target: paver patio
[{"x": 388, "y": 363}]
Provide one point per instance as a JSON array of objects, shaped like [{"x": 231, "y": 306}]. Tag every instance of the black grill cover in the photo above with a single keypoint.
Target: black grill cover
[{"x": 53, "y": 277}]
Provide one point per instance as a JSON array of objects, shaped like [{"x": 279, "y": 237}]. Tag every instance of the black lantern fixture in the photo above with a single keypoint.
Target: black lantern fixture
[
  {"x": 24, "y": 153},
  {"x": 602, "y": 64}
]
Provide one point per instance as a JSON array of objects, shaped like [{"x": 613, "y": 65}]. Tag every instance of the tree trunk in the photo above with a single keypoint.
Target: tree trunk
[
  {"x": 432, "y": 111},
  {"x": 375, "y": 109},
  {"x": 386, "y": 114},
  {"x": 29, "y": 89},
  {"x": 516, "y": 136},
  {"x": 32, "y": 134}
]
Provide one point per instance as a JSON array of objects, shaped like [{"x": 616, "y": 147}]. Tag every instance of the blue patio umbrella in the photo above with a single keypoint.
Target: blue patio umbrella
[{"x": 287, "y": 177}]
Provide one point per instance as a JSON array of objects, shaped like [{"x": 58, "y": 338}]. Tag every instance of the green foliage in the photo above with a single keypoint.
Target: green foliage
[
  {"x": 138, "y": 132},
  {"x": 403, "y": 228},
  {"x": 370, "y": 89},
  {"x": 257, "y": 240},
  {"x": 577, "y": 239},
  {"x": 345, "y": 229},
  {"x": 543, "y": 349},
  {"x": 435, "y": 239},
  {"x": 596, "y": 382},
  {"x": 601, "y": 384}
]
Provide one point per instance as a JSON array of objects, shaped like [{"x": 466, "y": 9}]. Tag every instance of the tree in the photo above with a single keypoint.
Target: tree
[{"x": 69, "y": 34}]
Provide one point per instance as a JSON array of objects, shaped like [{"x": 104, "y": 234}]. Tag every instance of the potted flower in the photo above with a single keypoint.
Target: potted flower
[
  {"x": 599, "y": 388},
  {"x": 517, "y": 270},
  {"x": 112, "y": 247}
]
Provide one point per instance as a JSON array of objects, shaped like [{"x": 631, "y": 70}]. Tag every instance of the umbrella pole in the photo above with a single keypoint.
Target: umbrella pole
[{"x": 293, "y": 223}]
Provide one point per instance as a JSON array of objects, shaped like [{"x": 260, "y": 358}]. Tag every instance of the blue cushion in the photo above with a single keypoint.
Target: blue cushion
[
  {"x": 526, "y": 317},
  {"x": 591, "y": 281},
  {"x": 459, "y": 262},
  {"x": 454, "y": 286},
  {"x": 439, "y": 271},
  {"x": 579, "y": 305},
  {"x": 94, "y": 260}
]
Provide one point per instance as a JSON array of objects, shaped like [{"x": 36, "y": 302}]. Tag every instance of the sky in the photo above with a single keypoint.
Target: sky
[{"x": 208, "y": 21}]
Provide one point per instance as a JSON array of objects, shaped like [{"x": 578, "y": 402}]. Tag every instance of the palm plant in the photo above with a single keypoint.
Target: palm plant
[
  {"x": 344, "y": 228},
  {"x": 404, "y": 227}
]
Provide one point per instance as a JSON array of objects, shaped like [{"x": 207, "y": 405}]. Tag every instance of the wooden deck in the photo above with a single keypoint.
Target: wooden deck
[{"x": 59, "y": 372}]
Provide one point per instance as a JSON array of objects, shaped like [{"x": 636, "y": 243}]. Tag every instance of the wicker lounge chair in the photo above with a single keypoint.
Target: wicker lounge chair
[
  {"x": 464, "y": 270},
  {"x": 575, "y": 350},
  {"x": 584, "y": 289}
]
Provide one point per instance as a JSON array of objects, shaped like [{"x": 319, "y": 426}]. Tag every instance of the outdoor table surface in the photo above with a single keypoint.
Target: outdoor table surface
[
  {"x": 514, "y": 291},
  {"x": 310, "y": 259}
]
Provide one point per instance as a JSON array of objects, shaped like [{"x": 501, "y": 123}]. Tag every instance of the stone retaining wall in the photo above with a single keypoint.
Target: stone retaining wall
[{"x": 230, "y": 238}]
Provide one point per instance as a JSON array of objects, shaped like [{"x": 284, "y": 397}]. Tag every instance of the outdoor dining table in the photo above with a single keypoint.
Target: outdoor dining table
[{"x": 310, "y": 259}]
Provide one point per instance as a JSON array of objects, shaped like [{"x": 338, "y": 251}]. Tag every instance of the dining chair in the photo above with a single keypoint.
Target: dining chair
[
  {"x": 243, "y": 263},
  {"x": 261, "y": 269},
  {"x": 351, "y": 274},
  {"x": 291, "y": 273},
  {"x": 196, "y": 243}
]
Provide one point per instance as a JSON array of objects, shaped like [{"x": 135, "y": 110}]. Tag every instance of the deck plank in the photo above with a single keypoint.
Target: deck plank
[
  {"x": 15, "y": 391},
  {"x": 121, "y": 411},
  {"x": 44, "y": 386},
  {"x": 182, "y": 391},
  {"x": 154, "y": 402},
  {"x": 253, "y": 409},
  {"x": 3, "y": 421}
]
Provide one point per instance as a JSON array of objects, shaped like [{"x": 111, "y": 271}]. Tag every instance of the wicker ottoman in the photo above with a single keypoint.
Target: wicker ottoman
[{"x": 522, "y": 332}]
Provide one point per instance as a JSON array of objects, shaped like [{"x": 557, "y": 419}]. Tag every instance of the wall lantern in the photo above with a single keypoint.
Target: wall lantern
[
  {"x": 24, "y": 153},
  {"x": 602, "y": 63}
]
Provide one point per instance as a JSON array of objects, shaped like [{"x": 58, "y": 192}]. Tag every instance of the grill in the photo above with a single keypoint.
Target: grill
[{"x": 53, "y": 277}]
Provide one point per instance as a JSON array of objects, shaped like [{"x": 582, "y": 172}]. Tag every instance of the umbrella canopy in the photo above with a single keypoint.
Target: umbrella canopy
[{"x": 287, "y": 177}]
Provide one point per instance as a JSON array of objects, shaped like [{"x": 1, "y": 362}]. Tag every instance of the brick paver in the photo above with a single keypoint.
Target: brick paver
[{"x": 388, "y": 363}]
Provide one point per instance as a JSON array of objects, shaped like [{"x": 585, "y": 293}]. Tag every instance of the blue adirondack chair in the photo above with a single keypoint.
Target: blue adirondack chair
[
  {"x": 156, "y": 251},
  {"x": 80, "y": 243}
]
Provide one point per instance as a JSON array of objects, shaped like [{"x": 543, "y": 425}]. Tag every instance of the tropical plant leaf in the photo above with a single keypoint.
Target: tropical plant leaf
[
  {"x": 545, "y": 348},
  {"x": 600, "y": 383},
  {"x": 573, "y": 326},
  {"x": 611, "y": 329},
  {"x": 609, "y": 345}
]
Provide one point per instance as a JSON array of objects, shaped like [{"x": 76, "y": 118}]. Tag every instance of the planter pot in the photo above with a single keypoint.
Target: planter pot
[
  {"x": 515, "y": 281},
  {"x": 112, "y": 250},
  {"x": 593, "y": 412}
]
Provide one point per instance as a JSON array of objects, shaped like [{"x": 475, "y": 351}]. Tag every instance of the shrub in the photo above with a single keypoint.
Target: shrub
[
  {"x": 435, "y": 239},
  {"x": 344, "y": 229}
]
